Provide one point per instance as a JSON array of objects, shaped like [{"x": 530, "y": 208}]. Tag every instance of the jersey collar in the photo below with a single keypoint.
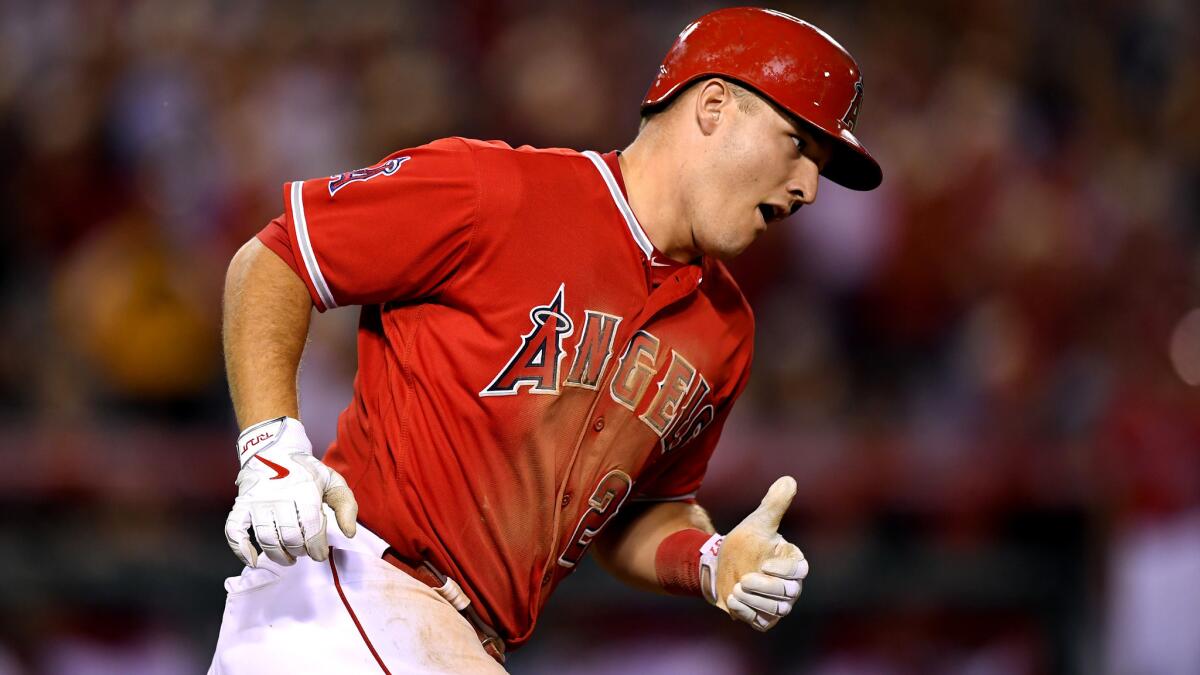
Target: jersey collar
[{"x": 616, "y": 188}]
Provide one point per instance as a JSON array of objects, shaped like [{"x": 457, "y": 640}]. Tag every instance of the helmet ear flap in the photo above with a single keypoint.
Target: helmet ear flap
[{"x": 790, "y": 62}]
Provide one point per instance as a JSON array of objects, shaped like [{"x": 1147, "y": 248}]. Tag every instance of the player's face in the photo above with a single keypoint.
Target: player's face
[{"x": 761, "y": 167}]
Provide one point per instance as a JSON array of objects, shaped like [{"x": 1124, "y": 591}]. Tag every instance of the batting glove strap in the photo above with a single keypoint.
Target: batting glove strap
[
  {"x": 709, "y": 551},
  {"x": 286, "y": 432}
]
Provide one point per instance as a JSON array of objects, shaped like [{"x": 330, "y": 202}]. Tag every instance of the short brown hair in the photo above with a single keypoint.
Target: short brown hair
[{"x": 747, "y": 101}]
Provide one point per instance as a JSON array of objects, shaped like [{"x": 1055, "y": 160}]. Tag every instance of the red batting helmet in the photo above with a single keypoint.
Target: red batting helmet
[{"x": 792, "y": 63}]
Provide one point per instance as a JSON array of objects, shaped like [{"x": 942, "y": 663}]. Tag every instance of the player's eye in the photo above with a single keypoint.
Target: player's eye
[{"x": 800, "y": 144}]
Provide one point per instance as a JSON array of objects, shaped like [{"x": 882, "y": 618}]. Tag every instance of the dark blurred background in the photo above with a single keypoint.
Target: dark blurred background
[{"x": 982, "y": 374}]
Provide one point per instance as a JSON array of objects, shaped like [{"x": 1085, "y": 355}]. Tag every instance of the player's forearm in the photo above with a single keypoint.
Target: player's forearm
[
  {"x": 628, "y": 547},
  {"x": 265, "y": 325}
]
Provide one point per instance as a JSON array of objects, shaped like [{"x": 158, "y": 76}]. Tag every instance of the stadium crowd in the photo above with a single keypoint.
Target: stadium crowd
[{"x": 983, "y": 374}]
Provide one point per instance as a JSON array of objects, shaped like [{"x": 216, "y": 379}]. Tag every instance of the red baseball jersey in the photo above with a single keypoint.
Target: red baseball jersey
[{"x": 528, "y": 362}]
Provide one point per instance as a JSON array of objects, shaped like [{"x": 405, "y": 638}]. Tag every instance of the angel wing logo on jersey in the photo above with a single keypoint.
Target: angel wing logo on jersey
[
  {"x": 341, "y": 180},
  {"x": 536, "y": 362}
]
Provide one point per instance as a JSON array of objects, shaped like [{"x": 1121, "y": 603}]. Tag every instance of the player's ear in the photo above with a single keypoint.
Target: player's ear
[{"x": 712, "y": 99}]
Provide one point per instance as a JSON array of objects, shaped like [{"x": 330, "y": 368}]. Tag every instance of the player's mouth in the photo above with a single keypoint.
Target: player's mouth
[{"x": 773, "y": 213}]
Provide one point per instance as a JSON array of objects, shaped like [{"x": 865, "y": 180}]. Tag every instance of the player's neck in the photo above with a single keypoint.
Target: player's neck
[{"x": 653, "y": 189}]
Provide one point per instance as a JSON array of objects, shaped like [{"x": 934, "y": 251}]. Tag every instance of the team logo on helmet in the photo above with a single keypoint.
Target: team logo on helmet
[
  {"x": 851, "y": 117},
  {"x": 341, "y": 180}
]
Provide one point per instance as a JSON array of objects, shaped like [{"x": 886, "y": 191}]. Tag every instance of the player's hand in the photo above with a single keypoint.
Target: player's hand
[
  {"x": 281, "y": 488},
  {"x": 759, "y": 574}
]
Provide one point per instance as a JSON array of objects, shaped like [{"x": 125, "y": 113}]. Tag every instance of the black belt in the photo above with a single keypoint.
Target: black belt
[{"x": 426, "y": 573}]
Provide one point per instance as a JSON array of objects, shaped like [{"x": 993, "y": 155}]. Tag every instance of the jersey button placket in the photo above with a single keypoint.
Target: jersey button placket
[
  {"x": 566, "y": 499},
  {"x": 547, "y": 577},
  {"x": 598, "y": 425}
]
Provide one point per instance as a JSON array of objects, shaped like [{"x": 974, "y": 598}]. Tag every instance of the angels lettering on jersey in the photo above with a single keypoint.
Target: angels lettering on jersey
[{"x": 658, "y": 384}]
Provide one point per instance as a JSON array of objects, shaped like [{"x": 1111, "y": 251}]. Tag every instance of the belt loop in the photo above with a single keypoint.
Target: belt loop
[{"x": 450, "y": 591}]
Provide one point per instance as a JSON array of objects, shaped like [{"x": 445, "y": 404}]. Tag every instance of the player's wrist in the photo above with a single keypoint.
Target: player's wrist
[
  {"x": 686, "y": 563},
  {"x": 278, "y": 432}
]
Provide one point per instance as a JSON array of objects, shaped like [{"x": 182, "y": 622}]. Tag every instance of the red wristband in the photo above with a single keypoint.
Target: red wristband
[{"x": 677, "y": 562}]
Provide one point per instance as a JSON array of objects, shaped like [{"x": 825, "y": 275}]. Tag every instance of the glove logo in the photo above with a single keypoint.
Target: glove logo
[
  {"x": 280, "y": 472},
  {"x": 251, "y": 442},
  {"x": 713, "y": 548}
]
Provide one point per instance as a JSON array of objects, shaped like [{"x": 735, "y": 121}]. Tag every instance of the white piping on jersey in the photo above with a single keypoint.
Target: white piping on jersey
[
  {"x": 306, "y": 251},
  {"x": 635, "y": 228}
]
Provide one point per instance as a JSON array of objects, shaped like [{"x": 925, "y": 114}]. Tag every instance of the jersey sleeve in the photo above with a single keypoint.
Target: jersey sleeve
[{"x": 397, "y": 230}]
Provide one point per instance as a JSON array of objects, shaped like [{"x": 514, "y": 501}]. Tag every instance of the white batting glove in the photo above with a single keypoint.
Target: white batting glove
[
  {"x": 753, "y": 573},
  {"x": 280, "y": 491}
]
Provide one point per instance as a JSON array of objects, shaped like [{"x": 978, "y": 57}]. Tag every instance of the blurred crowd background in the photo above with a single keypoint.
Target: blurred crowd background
[{"x": 983, "y": 374}]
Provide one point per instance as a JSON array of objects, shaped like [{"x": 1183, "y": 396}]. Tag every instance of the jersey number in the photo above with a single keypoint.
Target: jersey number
[{"x": 606, "y": 499}]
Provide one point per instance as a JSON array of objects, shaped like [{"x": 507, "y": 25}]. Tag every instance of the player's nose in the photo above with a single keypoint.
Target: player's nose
[{"x": 802, "y": 184}]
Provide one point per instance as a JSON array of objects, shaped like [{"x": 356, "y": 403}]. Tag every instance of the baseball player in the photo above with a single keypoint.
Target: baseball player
[{"x": 549, "y": 346}]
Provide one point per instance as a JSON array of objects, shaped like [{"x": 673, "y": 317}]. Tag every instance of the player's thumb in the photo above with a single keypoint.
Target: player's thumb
[
  {"x": 768, "y": 514},
  {"x": 344, "y": 505}
]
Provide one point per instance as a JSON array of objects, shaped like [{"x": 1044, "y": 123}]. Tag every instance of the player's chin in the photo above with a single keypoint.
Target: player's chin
[
  {"x": 728, "y": 250},
  {"x": 756, "y": 230},
  {"x": 730, "y": 243}
]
